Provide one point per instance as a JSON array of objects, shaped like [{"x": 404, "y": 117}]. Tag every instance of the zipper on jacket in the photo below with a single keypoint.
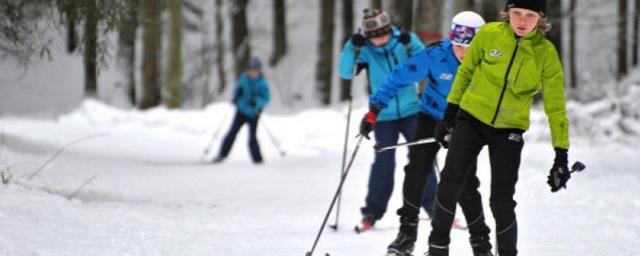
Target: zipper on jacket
[
  {"x": 391, "y": 66},
  {"x": 506, "y": 82}
]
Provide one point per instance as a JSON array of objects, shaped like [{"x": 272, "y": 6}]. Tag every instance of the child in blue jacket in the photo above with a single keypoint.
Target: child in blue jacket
[
  {"x": 438, "y": 64},
  {"x": 380, "y": 49},
  {"x": 250, "y": 96}
]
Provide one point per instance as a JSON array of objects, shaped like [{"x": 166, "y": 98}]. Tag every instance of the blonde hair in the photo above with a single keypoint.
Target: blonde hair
[{"x": 543, "y": 24}]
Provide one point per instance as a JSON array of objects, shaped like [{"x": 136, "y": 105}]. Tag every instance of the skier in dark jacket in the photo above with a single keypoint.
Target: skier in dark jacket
[
  {"x": 380, "y": 49},
  {"x": 507, "y": 65},
  {"x": 438, "y": 64},
  {"x": 250, "y": 96}
]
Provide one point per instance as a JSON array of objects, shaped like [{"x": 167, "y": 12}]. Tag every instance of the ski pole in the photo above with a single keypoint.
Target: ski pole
[
  {"x": 275, "y": 142},
  {"x": 335, "y": 196},
  {"x": 380, "y": 148},
  {"x": 346, "y": 136},
  {"x": 215, "y": 134}
]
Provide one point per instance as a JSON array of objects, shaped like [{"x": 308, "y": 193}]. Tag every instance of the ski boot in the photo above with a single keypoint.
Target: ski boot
[
  {"x": 435, "y": 250},
  {"x": 404, "y": 243},
  {"x": 368, "y": 220},
  {"x": 481, "y": 246},
  {"x": 402, "y": 246},
  {"x": 218, "y": 160}
]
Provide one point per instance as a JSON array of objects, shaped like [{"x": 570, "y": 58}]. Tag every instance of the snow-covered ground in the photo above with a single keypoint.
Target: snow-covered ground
[{"x": 154, "y": 193}]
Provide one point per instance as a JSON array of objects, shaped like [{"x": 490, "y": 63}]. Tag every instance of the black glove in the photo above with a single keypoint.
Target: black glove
[
  {"x": 237, "y": 97},
  {"x": 559, "y": 173},
  {"x": 404, "y": 38},
  {"x": 360, "y": 67},
  {"x": 368, "y": 121},
  {"x": 357, "y": 40},
  {"x": 444, "y": 128},
  {"x": 252, "y": 103}
]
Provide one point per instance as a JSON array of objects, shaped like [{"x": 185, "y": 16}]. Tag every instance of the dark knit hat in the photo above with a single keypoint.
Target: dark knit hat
[
  {"x": 539, "y": 6},
  {"x": 376, "y": 23},
  {"x": 254, "y": 64}
]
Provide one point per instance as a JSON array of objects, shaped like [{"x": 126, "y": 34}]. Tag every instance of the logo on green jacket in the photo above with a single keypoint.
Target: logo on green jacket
[{"x": 496, "y": 53}]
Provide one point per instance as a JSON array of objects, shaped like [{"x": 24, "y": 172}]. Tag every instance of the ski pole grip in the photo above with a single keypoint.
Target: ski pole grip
[{"x": 577, "y": 167}]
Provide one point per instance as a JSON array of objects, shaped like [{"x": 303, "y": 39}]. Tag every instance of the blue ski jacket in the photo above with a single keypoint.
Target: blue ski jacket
[
  {"x": 437, "y": 64},
  {"x": 251, "y": 95},
  {"x": 380, "y": 62}
]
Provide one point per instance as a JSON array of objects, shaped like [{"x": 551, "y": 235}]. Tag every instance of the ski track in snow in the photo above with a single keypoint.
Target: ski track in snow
[{"x": 154, "y": 193}]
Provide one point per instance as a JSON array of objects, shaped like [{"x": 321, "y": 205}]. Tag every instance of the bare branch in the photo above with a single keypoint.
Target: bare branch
[{"x": 60, "y": 152}]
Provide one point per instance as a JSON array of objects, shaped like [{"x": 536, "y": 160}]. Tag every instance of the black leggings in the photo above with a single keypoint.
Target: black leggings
[
  {"x": 421, "y": 158},
  {"x": 505, "y": 147}
]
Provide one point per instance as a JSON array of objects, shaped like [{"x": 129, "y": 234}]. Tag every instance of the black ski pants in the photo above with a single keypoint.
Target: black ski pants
[
  {"x": 237, "y": 123},
  {"x": 505, "y": 146},
  {"x": 421, "y": 158}
]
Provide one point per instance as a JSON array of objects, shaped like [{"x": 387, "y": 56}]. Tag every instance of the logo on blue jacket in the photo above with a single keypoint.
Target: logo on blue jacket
[{"x": 446, "y": 76}]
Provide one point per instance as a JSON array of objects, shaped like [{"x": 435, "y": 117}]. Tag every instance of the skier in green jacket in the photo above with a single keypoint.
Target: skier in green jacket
[{"x": 507, "y": 64}]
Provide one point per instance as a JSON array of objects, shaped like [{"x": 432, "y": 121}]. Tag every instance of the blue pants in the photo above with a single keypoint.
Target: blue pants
[
  {"x": 381, "y": 177},
  {"x": 238, "y": 121}
]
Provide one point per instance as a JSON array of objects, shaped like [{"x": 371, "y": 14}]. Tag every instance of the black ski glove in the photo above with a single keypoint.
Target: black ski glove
[
  {"x": 357, "y": 40},
  {"x": 559, "y": 173},
  {"x": 404, "y": 38},
  {"x": 445, "y": 126},
  {"x": 369, "y": 121}
]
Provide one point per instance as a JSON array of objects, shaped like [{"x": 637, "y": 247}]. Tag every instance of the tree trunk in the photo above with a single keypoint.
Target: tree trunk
[
  {"x": 240, "y": 35},
  {"x": 375, "y": 4},
  {"x": 490, "y": 9},
  {"x": 555, "y": 17},
  {"x": 463, "y": 5},
  {"x": 622, "y": 39},
  {"x": 402, "y": 14},
  {"x": 428, "y": 22},
  {"x": 279, "y": 32},
  {"x": 572, "y": 44},
  {"x": 72, "y": 37},
  {"x": 347, "y": 31},
  {"x": 174, "y": 74},
  {"x": 324, "y": 67},
  {"x": 222, "y": 81},
  {"x": 91, "y": 49},
  {"x": 70, "y": 11},
  {"x": 634, "y": 40},
  {"x": 151, "y": 54},
  {"x": 127, "y": 47}
]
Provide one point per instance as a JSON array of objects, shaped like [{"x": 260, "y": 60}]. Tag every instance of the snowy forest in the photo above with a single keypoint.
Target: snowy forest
[{"x": 115, "y": 118}]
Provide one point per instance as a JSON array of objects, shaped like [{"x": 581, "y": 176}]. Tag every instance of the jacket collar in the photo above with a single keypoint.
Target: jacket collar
[
  {"x": 392, "y": 44},
  {"x": 509, "y": 31}
]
